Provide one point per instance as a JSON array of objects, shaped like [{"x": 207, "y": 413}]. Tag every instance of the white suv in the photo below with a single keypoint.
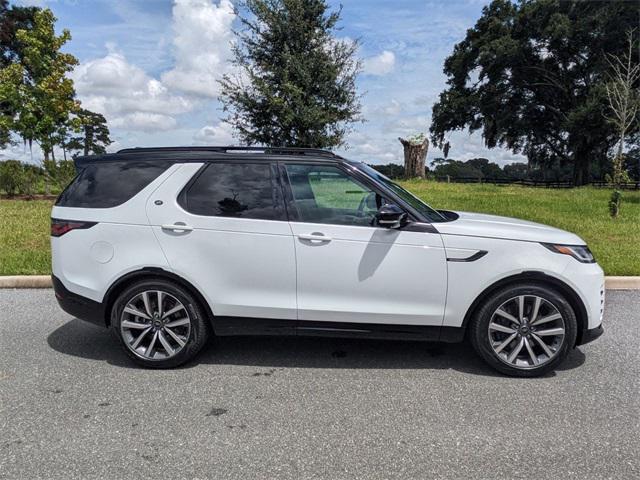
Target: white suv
[{"x": 168, "y": 246}]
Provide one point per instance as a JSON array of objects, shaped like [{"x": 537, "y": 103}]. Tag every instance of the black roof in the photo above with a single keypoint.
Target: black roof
[{"x": 200, "y": 154}]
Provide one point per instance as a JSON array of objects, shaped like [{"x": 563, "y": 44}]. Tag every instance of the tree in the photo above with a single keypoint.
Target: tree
[
  {"x": 296, "y": 81},
  {"x": 11, "y": 177},
  {"x": 516, "y": 170},
  {"x": 632, "y": 158},
  {"x": 489, "y": 169},
  {"x": 624, "y": 100},
  {"x": 530, "y": 75},
  {"x": 391, "y": 170},
  {"x": 12, "y": 19},
  {"x": 455, "y": 169},
  {"x": 415, "y": 153},
  {"x": 92, "y": 133},
  {"x": 40, "y": 96}
]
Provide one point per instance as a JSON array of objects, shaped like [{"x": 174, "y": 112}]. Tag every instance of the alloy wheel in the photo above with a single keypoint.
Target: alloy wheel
[
  {"x": 155, "y": 325},
  {"x": 526, "y": 331}
]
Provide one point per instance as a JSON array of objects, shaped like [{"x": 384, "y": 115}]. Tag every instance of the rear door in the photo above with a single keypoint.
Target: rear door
[
  {"x": 222, "y": 226},
  {"x": 350, "y": 270}
]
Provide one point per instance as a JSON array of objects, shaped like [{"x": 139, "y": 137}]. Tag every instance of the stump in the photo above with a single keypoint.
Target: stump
[{"x": 415, "y": 155}]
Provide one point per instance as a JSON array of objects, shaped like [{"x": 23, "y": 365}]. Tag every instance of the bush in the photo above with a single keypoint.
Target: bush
[
  {"x": 23, "y": 178},
  {"x": 12, "y": 177},
  {"x": 60, "y": 173},
  {"x": 614, "y": 203}
]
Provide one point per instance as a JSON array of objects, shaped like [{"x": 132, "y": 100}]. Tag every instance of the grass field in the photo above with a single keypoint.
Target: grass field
[
  {"x": 24, "y": 237},
  {"x": 24, "y": 225}
]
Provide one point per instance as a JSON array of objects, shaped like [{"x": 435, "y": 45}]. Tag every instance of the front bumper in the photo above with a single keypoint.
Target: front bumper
[{"x": 77, "y": 305}]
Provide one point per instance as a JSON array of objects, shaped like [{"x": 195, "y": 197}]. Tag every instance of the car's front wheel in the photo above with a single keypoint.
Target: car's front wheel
[
  {"x": 159, "y": 323},
  {"x": 524, "y": 330}
]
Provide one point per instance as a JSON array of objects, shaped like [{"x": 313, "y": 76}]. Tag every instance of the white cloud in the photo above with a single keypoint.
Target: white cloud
[
  {"x": 220, "y": 134},
  {"x": 145, "y": 121},
  {"x": 126, "y": 95},
  {"x": 132, "y": 100},
  {"x": 380, "y": 64},
  {"x": 394, "y": 108},
  {"x": 22, "y": 152},
  {"x": 202, "y": 46},
  {"x": 408, "y": 125}
]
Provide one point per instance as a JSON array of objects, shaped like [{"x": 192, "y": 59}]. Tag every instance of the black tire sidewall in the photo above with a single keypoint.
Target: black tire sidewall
[
  {"x": 197, "y": 337},
  {"x": 480, "y": 326}
]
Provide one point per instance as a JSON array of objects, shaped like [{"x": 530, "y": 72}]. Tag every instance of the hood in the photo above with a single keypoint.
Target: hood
[{"x": 493, "y": 226}]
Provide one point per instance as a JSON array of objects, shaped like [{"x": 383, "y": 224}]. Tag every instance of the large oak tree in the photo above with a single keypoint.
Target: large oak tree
[{"x": 531, "y": 77}]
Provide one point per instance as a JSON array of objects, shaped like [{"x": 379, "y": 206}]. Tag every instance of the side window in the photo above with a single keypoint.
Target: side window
[
  {"x": 326, "y": 194},
  {"x": 109, "y": 184},
  {"x": 240, "y": 190}
]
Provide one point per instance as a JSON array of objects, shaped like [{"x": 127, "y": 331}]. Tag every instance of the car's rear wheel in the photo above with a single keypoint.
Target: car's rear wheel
[
  {"x": 524, "y": 330},
  {"x": 159, "y": 323}
]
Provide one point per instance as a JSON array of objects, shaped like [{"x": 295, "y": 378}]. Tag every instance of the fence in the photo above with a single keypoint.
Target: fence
[{"x": 535, "y": 183}]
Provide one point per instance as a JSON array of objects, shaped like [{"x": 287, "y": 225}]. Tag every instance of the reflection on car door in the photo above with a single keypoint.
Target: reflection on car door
[{"x": 348, "y": 269}]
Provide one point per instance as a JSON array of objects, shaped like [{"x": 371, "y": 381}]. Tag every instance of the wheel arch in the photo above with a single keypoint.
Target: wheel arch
[
  {"x": 150, "y": 273},
  {"x": 541, "y": 278}
]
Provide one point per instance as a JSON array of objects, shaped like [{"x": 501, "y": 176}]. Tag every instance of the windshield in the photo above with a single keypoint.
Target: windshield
[{"x": 428, "y": 212}]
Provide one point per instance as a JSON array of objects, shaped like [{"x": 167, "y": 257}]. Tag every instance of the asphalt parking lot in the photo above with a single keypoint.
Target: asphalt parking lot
[{"x": 72, "y": 406}]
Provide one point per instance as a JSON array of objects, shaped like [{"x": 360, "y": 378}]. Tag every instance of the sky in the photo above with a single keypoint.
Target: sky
[{"x": 150, "y": 66}]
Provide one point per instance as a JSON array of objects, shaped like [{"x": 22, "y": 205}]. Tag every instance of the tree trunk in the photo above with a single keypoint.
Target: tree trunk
[
  {"x": 88, "y": 138},
  {"x": 47, "y": 185},
  {"x": 582, "y": 166},
  {"x": 618, "y": 163},
  {"x": 415, "y": 155}
]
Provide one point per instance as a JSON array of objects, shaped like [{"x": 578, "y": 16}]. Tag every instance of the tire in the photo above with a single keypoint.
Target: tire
[
  {"x": 180, "y": 326},
  {"x": 495, "y": 335}
]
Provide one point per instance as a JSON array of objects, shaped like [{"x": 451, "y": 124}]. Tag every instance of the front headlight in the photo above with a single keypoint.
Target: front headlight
[{"x": 579, "y": 252}]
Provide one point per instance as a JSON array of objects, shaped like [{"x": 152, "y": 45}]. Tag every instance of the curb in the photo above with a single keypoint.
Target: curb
[
  {"x": 26, "y": 281},
  {"x": 44, "y": 281},
  {"x": 622, "y": 283}
]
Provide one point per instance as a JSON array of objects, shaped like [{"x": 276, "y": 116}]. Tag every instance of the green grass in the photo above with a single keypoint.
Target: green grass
[
  {"x": 24, "y": 237},
  {"x": 24, "y": 225}
]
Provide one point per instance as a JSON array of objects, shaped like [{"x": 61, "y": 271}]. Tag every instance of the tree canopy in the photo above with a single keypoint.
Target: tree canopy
[
  {"x": 89, "y": 133},
  {"x": 296, "y": 81},
  {"x": 12, "y": 19},
  {"x": 531, "y": 77},
  {"x": 39, "y": 95}
]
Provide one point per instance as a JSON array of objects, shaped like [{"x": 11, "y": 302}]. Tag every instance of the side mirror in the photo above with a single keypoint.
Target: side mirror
[{"x": 391, "y": 216}]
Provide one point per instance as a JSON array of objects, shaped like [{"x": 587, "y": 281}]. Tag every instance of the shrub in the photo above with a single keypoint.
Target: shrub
[
  {"x": 614, "y": 203},
  {"x": 11, "y": 177},
  {"x": 60, "y": 173}
]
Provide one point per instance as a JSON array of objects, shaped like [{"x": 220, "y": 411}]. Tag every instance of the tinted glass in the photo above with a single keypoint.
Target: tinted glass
[
  {"x": 108, "y": 184},
  {"x": 242, "y": 190},
  {"x": 326, "y": 194},
  {"x": 428, "y": 212}
]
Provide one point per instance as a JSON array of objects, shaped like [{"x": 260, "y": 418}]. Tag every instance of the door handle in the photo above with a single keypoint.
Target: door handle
[
  {"x": 177, "y": 227},
  {"x": 314, "y": 237}
]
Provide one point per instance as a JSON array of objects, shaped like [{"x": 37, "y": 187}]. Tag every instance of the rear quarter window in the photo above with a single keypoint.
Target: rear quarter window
[{"x": 109, "y": 184}]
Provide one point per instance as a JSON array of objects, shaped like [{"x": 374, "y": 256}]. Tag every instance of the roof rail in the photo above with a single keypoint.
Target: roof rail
[{"x": 222, "y": 149}]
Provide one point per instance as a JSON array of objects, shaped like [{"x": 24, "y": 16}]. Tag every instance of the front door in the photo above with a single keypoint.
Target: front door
[{"x": 348, "y": 269}]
